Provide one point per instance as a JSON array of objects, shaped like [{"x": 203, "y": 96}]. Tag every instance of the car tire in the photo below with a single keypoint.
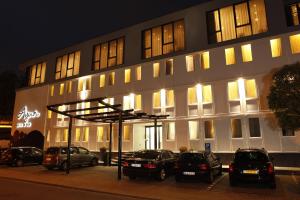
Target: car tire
[
  {"x": 94, "y": 162},
  {"x": 232, "y": 182},
  {"x": 210, "y": 177},
  {"x": 64, "y": 166},
  {"x": 161, "y": 175},
  {"x": 19, "y": 163},
  {"x": 220, "y": 171}
]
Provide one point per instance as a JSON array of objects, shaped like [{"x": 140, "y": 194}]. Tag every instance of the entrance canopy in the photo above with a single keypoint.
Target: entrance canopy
[{"x": 103, "y": 112}]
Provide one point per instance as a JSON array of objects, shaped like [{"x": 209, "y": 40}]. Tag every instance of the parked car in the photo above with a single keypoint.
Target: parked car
[
  {"x": 56, "y": 157},
  {"x": 202, "y": 165},
  {"x": 149, "y": 163},
  {"x": 252, "y": 165},
  {"x": 19, "y": 156},
  {"x": 126, "y": 155}
]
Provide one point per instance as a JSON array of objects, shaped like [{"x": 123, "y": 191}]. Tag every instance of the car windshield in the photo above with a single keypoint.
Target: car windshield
[
  {"x": 251, "y": 156},
  {"x": 146, "y": 154},
  {"x": 52, "y": 151},
  {"x": 191, "y": 156}
]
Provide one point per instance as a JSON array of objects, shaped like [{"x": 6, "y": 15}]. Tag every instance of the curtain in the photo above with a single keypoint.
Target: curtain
[
  {"x": 233, "y": 91},
  {"x": 156, "y": 100},
  {"x": 138, "y": 102},
  {"x": 170, "y": 98},
  {"x": 276, "y": 47},
  {"x": 156, "y": 41},
  {"x": 100, "y": 134},
  {"x": 76, "y": 63},
  {"x": 43, "y": 72},
  {"x": 58, "y": 68},
  {"x": 243, "y": 20},
  {"x": 96, "y": 58},
  {"x": 236, "y": 126},
  {"x": 32, "y": 74},
  {"x": 64, "y": 66},
  {"x": 247, "y": 53},
  {"x": 70, "y": 65},
  {"x": 189, "y": 63},
  {"x": 205, "y": 62},
  {"x": 227, "y": 23},
  {"x": 230, "y": 56},
  {"x": 258, "y": 16},
  {"x": 112, "y": 60},
  {"x": 193, "y": 130},
  {"x": 179, "y": 35},
  {"x": 250, "y": 87},
  {"x": 103, "y": 56},
  {"x": 192, "y": 96},
  {"x": 207, "y": 94},
  {"x": 295, "y": 43},
  {"x": 209, "y": 129},
  {"x": 120, "y": 51},
  {"x": 168, "y": 39},
  {"x": 147, "y": 44}
]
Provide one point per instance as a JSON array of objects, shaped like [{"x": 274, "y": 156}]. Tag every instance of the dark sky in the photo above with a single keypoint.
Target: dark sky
[{"x": 30, "y": 28}]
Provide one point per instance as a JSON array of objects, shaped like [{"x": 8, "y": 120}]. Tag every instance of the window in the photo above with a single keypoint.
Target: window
[
  {"x": 293, "y": 14},
  {"x": 250, "y": 88},
  {"x": 156, "y": 100},
  {"x": 209, "y": 129},
  {"x": 254, "y": 127},
  {"x": 204, "y": 60},
  {"x": 288, "y": 132},
  {"x": 171, "y": 131},
  {"x": 156, "y": 71},
  {"x": 246, "y": 53},
  {"x": 138, "y": 102},
  {"x": 276, "y": 47},
  {"x": 69, "y": 87},
  {"x": 102, "y": 80},
  {"x": 169, "y": 67},
  {"x": 128, "y": 102},
  {"x": 100, "y": 134},
  {"x": 193, "y": 130},
  {"x": 163, "y": 39},
  {"x": 127, "y": 75},
  {"x": 37, "y": 74},
  {"x": 138, "y": 73},
  {"x": 57, "y": 137},
  {"x": 86, "y": 131},
  {"x": 295, "y": 43},
  {"x": 65, "y": 135},
  {"x": 239, "y": 20},
  {"x": 230, "y": 56},
  {"x": 108, "y": 54},
  {"x": 77, "y": 134},
  {"x": 67, "y": 65},
  {"x": 111, "y": 78},
  {"x": 52, "y": 90},
  {"x": 61, "y": 88},
  {"x": 236, "y": 128},
  {"x": 206, "y": 94},
  {"x": 192, "y": 96},
  {"x": 126, "y": 132},
  {"x": 189, "y": 62},
  {"x": 84, "y": 84},
  {"x": 233, "y": 91},
  {"x": 170, "y": 98},
  {"x": 49, "y": 114}
]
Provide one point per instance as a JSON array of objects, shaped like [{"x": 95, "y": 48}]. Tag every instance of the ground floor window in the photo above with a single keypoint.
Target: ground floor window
[
  {"x": 209, "y": 129},
  {"x": 288, "y": 132},
  {"x": 236, "y": 128},
  {"x": 193, "y": 130},
  {"x": 254, "y": 127}
]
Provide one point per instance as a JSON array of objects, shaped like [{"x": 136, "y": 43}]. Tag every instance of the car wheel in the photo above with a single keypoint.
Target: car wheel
[
  {"x": 210, "y": 177},
  {"x": 273, "y": 185},
  {"x": 19, "y": 163},
  {"x": 132, "y": 177},
  {"x": 220, "y": 170},
  {"x": 162, "y": 175},
  {"x": 94, "y": 162},
  {"x": 64, "y": 166},
  {"x": 232, "y": 182},
  {"x": 178, "y": 178}
]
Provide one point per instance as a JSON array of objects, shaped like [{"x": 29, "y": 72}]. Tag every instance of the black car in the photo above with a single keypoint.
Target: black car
[
  {"x": 19, "y": 156},
  {"x": 202, "y": 165},
  {"x": 149, "y": 163},
  {"x": 252, "y": 165}
]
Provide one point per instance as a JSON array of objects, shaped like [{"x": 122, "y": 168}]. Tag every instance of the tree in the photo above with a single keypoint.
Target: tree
[{"x": 284, "y": 97}]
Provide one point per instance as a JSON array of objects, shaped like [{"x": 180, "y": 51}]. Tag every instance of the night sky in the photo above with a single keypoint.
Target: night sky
[{"x": 33, "y": 28}]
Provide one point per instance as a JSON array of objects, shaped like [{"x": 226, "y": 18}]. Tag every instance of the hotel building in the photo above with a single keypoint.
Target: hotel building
[{"x": 209, "y": 67}]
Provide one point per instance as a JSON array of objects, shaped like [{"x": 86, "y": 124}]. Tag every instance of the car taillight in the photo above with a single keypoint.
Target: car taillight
[
  {"x": 150, "y": 166},
  {"x": 125, "y": 164},
  {"x": 203, "y": 167},
  {"x": 270, "y": 168},
  {"x": 231, "y": 168}
]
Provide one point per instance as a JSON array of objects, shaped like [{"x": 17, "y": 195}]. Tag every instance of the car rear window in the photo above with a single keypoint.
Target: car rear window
[
  {"x": 146, "y": 155},
  {"x": 251, "y": 156},
  {"x": 191, "y": 156},
  {"x": 52, "y": 151}
]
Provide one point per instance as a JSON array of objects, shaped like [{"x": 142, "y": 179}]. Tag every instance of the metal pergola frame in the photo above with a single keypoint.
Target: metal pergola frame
[{"x": 114, "y": 114}]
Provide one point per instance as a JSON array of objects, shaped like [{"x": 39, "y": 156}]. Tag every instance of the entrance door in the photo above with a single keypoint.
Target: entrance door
[{"x": 150, "y": 139}]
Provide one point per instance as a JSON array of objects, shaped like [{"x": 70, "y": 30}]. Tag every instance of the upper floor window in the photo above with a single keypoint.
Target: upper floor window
[
  {"x": 138, "y": 73},
  {"x": 108, "y": 54},
  {"x": 238, "y": 20},
  {"x": 276, "y": 49},
  {"x": 37, "y": 74},
  {"x": 67, "y": 65},
  {"x": 293, "y": 14},
  {"x": 127, "y": 75},
  {"x": 230, "y": 56},
  {"x": 189, "y": 61},
  {"x": 205, "y": 60},
  {"x": 169, "y": 67},
  {"x": 295, "y": 43},
  {"x": 163, "y": 39}
]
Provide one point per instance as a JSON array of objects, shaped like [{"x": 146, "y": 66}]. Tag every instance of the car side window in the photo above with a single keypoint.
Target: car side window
[
  {"x": 37, "y": 152},
  {"x": 83, "y": 151},
  {"x": 27, "y": 151}
]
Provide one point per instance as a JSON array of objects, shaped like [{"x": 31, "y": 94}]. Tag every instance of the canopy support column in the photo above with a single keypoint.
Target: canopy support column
[
  {"x": 69, "y": 145},
  {"x": 110, "y": 144},
  {"x": 155, "y": 133},
  {"x": 120, "y": 147}
]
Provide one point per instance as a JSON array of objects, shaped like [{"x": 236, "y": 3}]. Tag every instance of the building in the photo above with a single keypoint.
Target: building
[{"x": 208, "y": 66}]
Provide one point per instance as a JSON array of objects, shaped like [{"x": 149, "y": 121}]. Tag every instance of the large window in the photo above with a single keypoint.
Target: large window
[
  {"x": 254, "y": 127},
  {"x": 233, "y": 91},
  {"x": 238, "y": 20},
  {"x": 295, "y": 43},
  {"x": 67, "y": 65},
  {"x": 230, "y": 56},
  {"x": 209, "y": 129},
  {"x": 189, "y": 61},
  {"x": 276, "y": 47},
  {"x": 193, "y": 130},
  {"x": 293, "y": 14},
  {"x": 170, "y": 131},
  {"x": 246, "y": 53},
  {"x": 127, "y": 132},
  {"x": 163, "y": 39},
  {"x": 108, "y": 54},
  {"x": 37, "y": 74},
  {"x": 236, "y": 128},
  {"x": 132, "y": 101}
]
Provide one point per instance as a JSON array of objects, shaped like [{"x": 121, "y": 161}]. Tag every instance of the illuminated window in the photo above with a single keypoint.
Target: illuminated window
[
  {"x": 138, "y": 73},
  {"x": 276, "y": 47},
  {"x": 293, "y": 13},
  {"x": 52, "y": 90},
  {"x": 84, "y": 84},
  {"x": 156, "y": 71},
  {"x": 254, "y": 127},
  {"x": 204, "y": 59},
  {"x": 164, "y": 39},
  {"x": 128, "y": 102},
  {"x": 233, "y": 91},
  {"x": 59, "y": 116},
  {"x": 246, "y": 53},
  {"x": 49, "y": 114},
  {"x": 111, "y": 78},
  {"x": 109, "y": 101},
  {"x": 189, "y": 62},
  {"x": 102, "y": 80},
  {"x": 209, "y": 129},
  {"x": 126, "y": 132},
  {"x": 236, "y": 128},
  {"x": 192, "y": 96},
  {"x": 67, "y": 65},
  {"x": 65, "y": 135},
  {"x": 37, "y": 74},
  {"x": 138, "y": 102},
  {"x": 108, "y": 133},
  {"x": 193, "y": 130},
  {"x": 108, "y": 54},
  {"x": 171, "y": 131},
  {"x": 69, "y": 87},
  {"x": 61, "y": 88},
  {"x": 156, "y": 100},
  {"x": 77, "y": 135},
  {"x": 86, "y": 131},
  {"x": 295, "y": 43},
  {"x": 206, "y": 94},
  {"x": 127, "y": 75},
  {"x": 170, "y": 98},
  {"x": 250, "y": 88},
  {"x": 100, "y": 134},
  {"x": 58, "y": 135},
  {"x": 169, "y": 67},
  {"x": 239, "y": 20},
  {"x": 230, "y": 56}
]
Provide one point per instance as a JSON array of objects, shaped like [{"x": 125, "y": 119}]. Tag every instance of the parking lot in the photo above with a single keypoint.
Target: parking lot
[{"x": 104, "y": 179}]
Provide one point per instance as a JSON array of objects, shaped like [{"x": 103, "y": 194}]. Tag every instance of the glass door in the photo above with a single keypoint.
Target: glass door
[{"x": 150, "y": 139}]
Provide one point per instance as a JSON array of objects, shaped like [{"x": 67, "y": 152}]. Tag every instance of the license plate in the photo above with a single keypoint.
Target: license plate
[
  {"x": 48, "y": 159},
  {"x": 136, "y": 165},
  {"x": 189, "y": 173},
  {"x": 250, "y": 171}
]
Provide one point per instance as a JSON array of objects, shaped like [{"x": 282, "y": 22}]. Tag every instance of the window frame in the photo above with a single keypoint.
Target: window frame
[
  {"x": 289, "y": 14},
  {"x": 36, "y": 75},
  {"x": 67, "y": 67}
]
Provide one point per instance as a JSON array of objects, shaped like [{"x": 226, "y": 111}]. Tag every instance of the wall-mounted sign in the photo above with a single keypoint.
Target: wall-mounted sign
[{"x": 25, "y": 116}]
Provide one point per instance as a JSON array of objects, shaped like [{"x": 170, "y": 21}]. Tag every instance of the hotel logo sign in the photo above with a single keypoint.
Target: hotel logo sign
[{"x": 25, "y": 116}]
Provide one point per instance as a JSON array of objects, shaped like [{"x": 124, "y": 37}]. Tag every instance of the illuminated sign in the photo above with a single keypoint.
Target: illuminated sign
[{"x": 26, "y": 116}]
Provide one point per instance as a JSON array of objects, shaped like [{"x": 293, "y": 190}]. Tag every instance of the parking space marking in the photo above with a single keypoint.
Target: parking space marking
[
  {"x": 295, "y": 179},
  {"x": 211, "y": 186}
]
